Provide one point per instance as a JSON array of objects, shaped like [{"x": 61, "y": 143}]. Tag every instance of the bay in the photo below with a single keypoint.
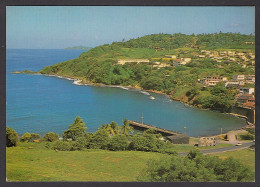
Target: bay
[{"x": 41, "y": 104}]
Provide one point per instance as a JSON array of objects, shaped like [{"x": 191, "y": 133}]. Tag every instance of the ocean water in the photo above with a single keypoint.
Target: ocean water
[{"x": 41, "y": 104}]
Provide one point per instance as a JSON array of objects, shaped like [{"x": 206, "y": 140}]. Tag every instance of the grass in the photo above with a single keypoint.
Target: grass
[
  {"x": 241, "y": 137},
  {"x": 34, "y": 162},
  {"x": 245, "y": 156},
  {"x": 41, "y": 164}
]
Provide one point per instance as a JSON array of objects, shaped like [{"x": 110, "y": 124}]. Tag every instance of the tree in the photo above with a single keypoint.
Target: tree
[
  {"x": 126, "y": 128},
  {"x": 26, "y": 137},
  {"x": 196, "y": 167},
  {"x": 35, "y": 136},
  {"x": 99, "y": 140},
  {"x": 11, "y": 137},
  {"x": 118, "y": 143},
  {"x": 51, "y": 137},
  {"x": 75, "y": 130}
]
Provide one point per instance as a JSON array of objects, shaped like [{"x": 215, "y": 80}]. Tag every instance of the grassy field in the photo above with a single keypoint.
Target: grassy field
[
  {"x": 41, "y": 164},
  {"x": 34, "y": 162},
  {"x": 246, "y": 156}
]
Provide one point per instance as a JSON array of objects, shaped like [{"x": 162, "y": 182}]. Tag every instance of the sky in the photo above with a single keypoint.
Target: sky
[{"x": 58, "y": 27}]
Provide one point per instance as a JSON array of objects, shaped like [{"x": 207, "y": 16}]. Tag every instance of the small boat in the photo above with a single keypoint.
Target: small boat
[{"x": 151, "y": 97}]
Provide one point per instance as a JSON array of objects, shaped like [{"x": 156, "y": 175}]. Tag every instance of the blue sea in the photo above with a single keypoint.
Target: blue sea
[{"x": 41, "y": 104}]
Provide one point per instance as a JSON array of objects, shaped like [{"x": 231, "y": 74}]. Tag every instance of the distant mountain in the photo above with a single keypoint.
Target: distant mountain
[{"x": 79, "y": 47}]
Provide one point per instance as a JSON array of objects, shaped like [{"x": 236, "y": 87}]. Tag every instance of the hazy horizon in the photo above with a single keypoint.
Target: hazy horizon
[{"x": 58, "y": 27}]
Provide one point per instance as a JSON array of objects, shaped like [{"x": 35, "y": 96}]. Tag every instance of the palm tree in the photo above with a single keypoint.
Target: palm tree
[
  {"x": 126, "y": 128},
  {"x": 115, "y": 127},
  {"x": 109, "y": 129}
]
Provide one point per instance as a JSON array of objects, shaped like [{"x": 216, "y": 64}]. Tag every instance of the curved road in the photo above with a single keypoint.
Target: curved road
[{"x": 224, "y": 149}]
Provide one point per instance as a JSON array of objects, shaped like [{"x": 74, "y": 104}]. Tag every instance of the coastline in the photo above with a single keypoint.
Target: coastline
[{"x": 82, "y": 82}]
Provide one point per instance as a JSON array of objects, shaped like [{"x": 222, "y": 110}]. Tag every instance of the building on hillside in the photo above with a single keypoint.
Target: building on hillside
[
  {"x": 251, "y": 43},
  {"x": 179, "y": 139},
  {"x": 201, "y": 56},
  {"x": 123, "y": 61},
  {"x": 222, "y": 53},
  {"x": 249, "y": 104},
  {"x": 213, "y": 80},
  {"x": 246, "y": 90},
  {"x": 243, "y": 98},
  {"x": 215, "y": 53},
  {"x": 171, "y": 56},
  {"x": 239, "y": 77},
  {"x": 250, "y": 79},
  {"x": 231, "y": 53},
  {"x": 207, "y": 141},
  {"x": 187, "y": 60},
  {"x": 235, "y": 84}
]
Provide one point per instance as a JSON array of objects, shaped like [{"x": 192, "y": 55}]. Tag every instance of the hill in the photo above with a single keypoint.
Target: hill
[
  {"x": 79, "y": 47},
  {"x": 170, "y": 64}
]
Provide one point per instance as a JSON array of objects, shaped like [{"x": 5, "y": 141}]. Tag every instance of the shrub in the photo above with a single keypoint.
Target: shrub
[
  {"x": 79, "y": 144},
  {"x": 11, "y": 137},
  {"x": 118, "y": 143},
  {"x": 26, "y": 137},
  {"x": 195, "y": 167},
  {"x": 35, "y": 136},
  {"x": 62, "y": 146},
  {"x": 99, "y": 140},
  {"x": 147, "y": 142},
  {"x": 51, "y": 137}
]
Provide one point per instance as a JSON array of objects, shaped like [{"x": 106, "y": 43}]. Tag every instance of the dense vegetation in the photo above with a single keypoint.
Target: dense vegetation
[
  {"x": 195, "y": 167},
  {"x": 111, "y": 137},
  {"x": 99, "y": 65},
  {"x": 11, "y": 137}
]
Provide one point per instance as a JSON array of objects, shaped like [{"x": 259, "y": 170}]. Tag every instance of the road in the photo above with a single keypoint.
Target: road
[{"x": 224, "y": 149}]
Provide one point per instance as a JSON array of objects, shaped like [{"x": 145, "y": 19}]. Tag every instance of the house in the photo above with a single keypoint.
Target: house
[
  {"x": 250, "y": 78},
  {"x": 231, "y": 53},
  {"x": 207, "y": 141},
  {"x": 212, "y": 80},
  {"x": 243, "y": 98},
  {"x": 249, "y": 104},
  {"x": 179, "y": 139},
  {"x": 246, "y": 90},
  {"x": 123, "y": 61},
  {"x": 239, "y": 77},
  {"x": 215, "y": 53},
  {"x": 201, "y": 56},
  {"x": 171, "y": 56},
  {"x": 222, "y": 53},
  {"x": 187, "y": 60}
]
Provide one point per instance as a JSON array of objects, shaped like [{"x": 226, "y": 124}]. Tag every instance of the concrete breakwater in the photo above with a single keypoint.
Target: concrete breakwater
[{"x": 245, "y": 113}]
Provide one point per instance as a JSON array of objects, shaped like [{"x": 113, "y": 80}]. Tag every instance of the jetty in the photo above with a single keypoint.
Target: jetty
[{"x": 142, "y": 126}]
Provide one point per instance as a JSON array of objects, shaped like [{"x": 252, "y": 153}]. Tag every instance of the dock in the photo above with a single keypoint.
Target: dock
[{"x": 142, "y": 126}]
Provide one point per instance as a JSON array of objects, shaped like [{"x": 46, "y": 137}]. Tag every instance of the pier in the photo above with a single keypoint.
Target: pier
[{"x": 142, "y": 126}]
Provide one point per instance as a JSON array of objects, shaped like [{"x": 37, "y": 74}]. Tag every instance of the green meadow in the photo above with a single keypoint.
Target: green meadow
[{"x": 34, "y": 162}]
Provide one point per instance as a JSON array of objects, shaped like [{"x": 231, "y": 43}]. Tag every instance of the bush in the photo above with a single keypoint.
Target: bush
[
  {"x": 247, "y": 136},
  {"x": 26, "y": 137},
  {"x": 51, "y": 137},
  {"x": 118, "y": 143},
  {"x": 145, "y": 142},
  {"x": 35, "y": 136},
  {"x": 79, "y": 144},
  {"x": 99, "y": 140},
  {"x": 62, "y": 146},
  {"x": 11, "y": 137},
  {"x": 195, "y": 167}
]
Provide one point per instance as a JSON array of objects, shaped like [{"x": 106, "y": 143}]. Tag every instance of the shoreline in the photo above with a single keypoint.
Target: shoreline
[{"x": 78, "y": 81}]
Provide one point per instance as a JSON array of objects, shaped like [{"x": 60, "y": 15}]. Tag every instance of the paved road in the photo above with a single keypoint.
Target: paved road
[{"x": 224, "y": 149}]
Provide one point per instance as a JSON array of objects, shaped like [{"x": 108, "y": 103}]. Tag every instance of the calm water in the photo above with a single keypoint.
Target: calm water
[{"x": 37, "y": 103}]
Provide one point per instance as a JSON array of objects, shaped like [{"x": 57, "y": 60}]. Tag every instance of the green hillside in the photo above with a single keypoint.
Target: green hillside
[{"x": 174, "y": 77}]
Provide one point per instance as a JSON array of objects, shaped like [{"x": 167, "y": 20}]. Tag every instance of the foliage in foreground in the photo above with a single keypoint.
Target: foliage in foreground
[
  {"x": 11, "y": 137},
  {"x": 195, "y": 167}
]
